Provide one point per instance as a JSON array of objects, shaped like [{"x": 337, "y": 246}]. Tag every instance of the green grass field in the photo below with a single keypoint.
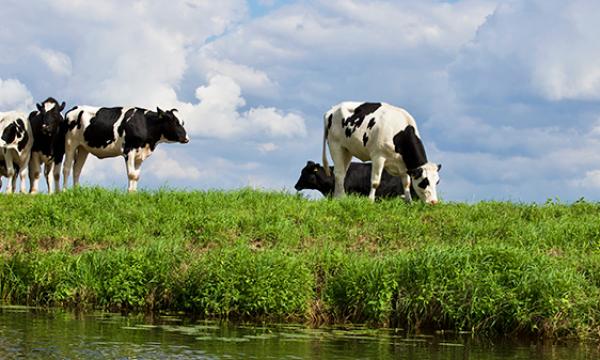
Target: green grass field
[{"x": 490, "y": 267}]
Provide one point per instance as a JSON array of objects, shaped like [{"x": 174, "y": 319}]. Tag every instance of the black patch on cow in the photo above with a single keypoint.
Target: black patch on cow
[
  {"x": 424, "y": 184},
  {"x": 329, "y": 121},
  {"x": 355, "y": 120},
  {"x": 371, "y": 124},
  {"x": 141, "y": 128},
  {"x": 408, "y": 144},
  {"x": 100, "y": 131},
  {"x": 357, "y": 181},
  {"x": 365, "y": 139},
  {"x": 59, "y": 143},
  {"x": 9, "y": 134},
  {"x": 48, "y": 129}
]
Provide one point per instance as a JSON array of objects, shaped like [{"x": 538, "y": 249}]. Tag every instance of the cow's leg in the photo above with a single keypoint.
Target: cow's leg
[
  {"x": 34, "y": 173},
  {"x": 133, "y": 165},
  {"x": 79, "y": 161},
  {"x": 23, "y": 175},
  {"x": 68, "y": 164},
  {"x": 48, "y": 169},
  {"x": 376, "y": 170},
  {"x": 10, "y": 173},
  {"x": 56, "y": 174},
  {"x": 405, "y": 178},
  {"x": 341, "y": 161}
]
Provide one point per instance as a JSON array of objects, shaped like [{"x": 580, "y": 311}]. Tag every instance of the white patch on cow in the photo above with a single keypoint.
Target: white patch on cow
[
  {"x": 49, "y": 106},
  {"x": 142, "y": 154}
]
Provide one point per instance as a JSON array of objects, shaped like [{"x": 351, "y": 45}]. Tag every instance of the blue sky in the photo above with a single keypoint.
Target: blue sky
[{"x": 506, "y": 93}]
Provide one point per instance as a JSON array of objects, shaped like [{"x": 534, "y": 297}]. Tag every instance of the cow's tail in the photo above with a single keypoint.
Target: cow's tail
[{"x": 325, "y": 134}]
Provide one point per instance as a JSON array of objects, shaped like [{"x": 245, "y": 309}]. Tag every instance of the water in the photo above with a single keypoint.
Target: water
[{"x": 27, "y": 333}]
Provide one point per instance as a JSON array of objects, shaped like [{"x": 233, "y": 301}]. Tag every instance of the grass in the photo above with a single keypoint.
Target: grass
[{"x": 490, "y": 267}]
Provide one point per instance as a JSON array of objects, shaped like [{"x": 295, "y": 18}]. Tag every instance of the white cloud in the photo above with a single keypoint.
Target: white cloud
[
  {"x": 541, "y": 48},
  {"x": 166, "y": 166},
  {"x": 218, "y": 114},
  {"x": 267, "y": 147},
  {"x": 58, "y": 62},
  {"x": 14, "y": 96},
  {"x": 590, "y": 180}
]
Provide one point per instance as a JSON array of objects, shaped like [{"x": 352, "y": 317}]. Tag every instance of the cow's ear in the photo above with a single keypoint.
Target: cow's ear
[
  {"x": 62, "y": 107},
  {"x": 439, "y": 167},
  {"x": 310, "y": 163},
  {"x": 39, "y": 107},
  {"x": 159, "y": 111}
]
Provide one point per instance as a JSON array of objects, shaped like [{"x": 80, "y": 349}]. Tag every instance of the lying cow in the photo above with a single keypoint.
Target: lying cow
[
  {"x": 48, "y": 128},
  {"x": 15, "y": 148},
  {"x": 357, "y": 181},
  {"x": 386, "y": 135},
  {"x": 108, "y": 132}
]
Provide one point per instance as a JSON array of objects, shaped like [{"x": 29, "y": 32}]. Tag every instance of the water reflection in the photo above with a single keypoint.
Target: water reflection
[{"x": 35, "y": 334}]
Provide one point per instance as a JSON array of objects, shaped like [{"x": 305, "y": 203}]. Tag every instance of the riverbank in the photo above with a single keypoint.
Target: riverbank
[{"x": 487, "y": 268}]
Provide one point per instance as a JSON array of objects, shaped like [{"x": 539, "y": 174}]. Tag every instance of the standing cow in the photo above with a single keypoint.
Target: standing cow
[
  {"x": 357, "y": 181},
  {"x": 109, "y": 132},
  {"x": 48, "y": 128},
  {"x": 386, "y": 135},
  {"x": 15, "y": 148}
]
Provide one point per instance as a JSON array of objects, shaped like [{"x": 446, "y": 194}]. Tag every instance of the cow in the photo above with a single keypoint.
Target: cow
[
  {"x": 357, "y": 181},
  {"x": 108, "y": 132},
  {"x": 49, "y": 129},
  {"x": 15, "y": 148},
  {"x": 386, "y": 135}
]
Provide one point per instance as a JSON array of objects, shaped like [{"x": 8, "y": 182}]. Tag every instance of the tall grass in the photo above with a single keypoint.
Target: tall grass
[{"x": 489, "y": 267}]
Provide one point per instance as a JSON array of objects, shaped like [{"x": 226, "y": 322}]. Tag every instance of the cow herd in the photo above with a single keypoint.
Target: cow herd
[
  {"x": 46, "y": 137},
  {"x": 381, "y": 133}
]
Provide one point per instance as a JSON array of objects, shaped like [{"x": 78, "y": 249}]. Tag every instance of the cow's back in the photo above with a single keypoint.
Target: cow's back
[
  {"x": 96, "y": 129},
  {"x": 367, "y": 129}
]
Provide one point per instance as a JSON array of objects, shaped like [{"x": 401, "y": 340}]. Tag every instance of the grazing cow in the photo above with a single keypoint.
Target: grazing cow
[
  {"x": 15, "y": 147},
  {"x": 48, "y": 128},
  {"x": 386, "y": 135},
  {"x": 357, "y": 181},
  {"x": 109, "y": 132}
]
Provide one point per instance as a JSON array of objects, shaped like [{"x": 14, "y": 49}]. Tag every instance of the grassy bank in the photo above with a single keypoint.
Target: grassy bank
[{"x": 488, "y": 267}]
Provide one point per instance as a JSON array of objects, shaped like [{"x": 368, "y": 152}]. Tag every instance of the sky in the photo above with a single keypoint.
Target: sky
[{"x": 506, "y": 94}]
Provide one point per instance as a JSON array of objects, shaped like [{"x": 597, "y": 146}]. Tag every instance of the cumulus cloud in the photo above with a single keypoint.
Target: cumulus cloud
[
  {"x": 14, "y": 96},
  {"x": 218, "y": 114},
  {"x": 58, "y": 62},
  {"x": 166, "y": 166}
]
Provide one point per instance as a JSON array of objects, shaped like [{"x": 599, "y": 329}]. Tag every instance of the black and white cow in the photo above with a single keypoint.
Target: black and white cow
[
  {"x": 357, "y": 181},
  {"x": 109, "y": 132},
  {"x": 48, "y": 127},
  {"x": 386, "y": 135},
  {"x": 15, "y": 148}
]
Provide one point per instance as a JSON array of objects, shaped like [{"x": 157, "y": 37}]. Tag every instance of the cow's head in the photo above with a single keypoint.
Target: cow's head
[
  {"x": 51, "y": 117},
  {"x": 313, "y": 177},
  {"x": 425, "y": 179},
  {"x": 13, "y": 134},
  {"x": 172, "y": 128}
]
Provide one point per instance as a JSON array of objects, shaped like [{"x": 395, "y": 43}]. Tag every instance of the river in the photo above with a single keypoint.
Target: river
[{"x": 27, "y": 333}]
